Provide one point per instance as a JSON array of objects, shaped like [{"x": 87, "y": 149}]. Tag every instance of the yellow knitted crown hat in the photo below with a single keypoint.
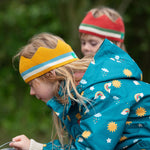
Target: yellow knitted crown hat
[{"x": 45, "y": 60}]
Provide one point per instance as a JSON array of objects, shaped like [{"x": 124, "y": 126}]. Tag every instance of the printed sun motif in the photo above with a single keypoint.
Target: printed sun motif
[
  {"x": 123, "y": 138},
  {"x": 140, "y": 111},
  {"x": 112, "y": 126},
  {"x": 127, "y": 72},
  {"x": 86, "y": 134},
  {"x": 116, "y": 83}
]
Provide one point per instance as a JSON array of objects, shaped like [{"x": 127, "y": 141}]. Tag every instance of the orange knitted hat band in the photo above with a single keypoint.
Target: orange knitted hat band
[{"x": 45, "y": 60}]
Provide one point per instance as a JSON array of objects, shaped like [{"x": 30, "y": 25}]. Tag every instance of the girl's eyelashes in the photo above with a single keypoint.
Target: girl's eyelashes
[{"x": 93, "y": 43}]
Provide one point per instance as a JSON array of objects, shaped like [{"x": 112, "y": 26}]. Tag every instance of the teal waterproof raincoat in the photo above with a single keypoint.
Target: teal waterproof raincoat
[{"x": 117, "y": 115}]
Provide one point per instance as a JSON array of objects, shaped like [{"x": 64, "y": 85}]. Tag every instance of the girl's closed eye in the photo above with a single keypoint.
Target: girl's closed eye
[{"x": 94, "y": 43}]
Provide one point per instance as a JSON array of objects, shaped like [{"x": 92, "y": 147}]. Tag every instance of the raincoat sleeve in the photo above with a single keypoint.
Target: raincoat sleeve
[{"x": 99, "y": 128}]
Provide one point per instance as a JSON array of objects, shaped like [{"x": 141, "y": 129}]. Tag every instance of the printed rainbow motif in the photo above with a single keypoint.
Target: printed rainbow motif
[
  {"x": 106, "y": 86},
  {"x": 125, "y": 111},
  {"x": 100, "y": 94},
  {"x": 138, "y": 96}
]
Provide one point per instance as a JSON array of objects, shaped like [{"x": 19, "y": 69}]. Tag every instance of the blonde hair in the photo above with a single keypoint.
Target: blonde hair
[
  {"x": 63, "y": 73},
  {"x": 109, "y": 12}
]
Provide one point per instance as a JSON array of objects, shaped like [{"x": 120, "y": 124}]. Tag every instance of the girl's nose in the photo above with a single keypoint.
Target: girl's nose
[{"x": 86, "y": 46}]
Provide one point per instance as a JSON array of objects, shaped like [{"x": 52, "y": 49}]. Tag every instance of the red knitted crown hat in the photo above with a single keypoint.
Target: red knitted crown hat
[{"x": 103, "y": 27}]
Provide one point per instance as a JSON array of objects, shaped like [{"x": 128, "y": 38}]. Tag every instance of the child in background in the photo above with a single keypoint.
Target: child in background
[
  {"x": 98, "y": 24},
  {"x": 102, "y": 103}
]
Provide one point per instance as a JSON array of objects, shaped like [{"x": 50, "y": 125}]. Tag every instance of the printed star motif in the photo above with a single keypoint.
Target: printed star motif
[
  {"x": 108, "y": 140},
  {"x": 92, "y": 88}
]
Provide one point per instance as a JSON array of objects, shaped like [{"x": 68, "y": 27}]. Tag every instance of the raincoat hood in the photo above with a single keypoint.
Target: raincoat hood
[{"x": 110, "y": 63}]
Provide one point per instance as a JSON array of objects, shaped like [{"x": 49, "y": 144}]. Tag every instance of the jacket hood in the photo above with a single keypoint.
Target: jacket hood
[{"x": 110, "y": 63}]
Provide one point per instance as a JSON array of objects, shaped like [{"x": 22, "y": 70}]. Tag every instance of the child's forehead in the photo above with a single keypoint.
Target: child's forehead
[
  {"x": 85, "y": 35},
  {"x": 89, "y": 37}
]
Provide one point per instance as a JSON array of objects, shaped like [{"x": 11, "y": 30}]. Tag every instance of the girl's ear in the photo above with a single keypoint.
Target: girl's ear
[{"x": 52, "y": 73}]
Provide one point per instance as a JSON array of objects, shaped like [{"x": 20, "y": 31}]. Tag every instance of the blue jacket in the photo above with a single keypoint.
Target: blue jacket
[{"x": 117, "y": 115}]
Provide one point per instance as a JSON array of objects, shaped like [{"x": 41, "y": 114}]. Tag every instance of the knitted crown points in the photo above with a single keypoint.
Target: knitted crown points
[
  {"x": 45, "y": 60},
  {"x": 103, "y": 27}
]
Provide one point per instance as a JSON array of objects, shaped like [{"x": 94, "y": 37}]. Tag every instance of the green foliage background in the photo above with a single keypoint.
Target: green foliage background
[{"x": 21, "y": 19}]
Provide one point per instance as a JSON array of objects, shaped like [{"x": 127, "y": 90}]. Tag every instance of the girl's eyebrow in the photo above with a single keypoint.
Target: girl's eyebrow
[{"x": 93, "y": 40}]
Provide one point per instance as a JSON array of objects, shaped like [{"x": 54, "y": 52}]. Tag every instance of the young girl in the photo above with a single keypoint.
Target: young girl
[
  {"x": 107, "y": 108},
  {"x": 98, "y": 24}
]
